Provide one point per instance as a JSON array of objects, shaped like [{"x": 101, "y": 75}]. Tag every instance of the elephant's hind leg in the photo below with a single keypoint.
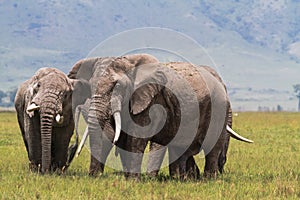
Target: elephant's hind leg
[{"x": 211, "y": 164}]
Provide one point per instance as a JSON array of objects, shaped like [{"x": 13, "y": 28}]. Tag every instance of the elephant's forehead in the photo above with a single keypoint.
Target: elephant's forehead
[{"x": 55, "y": 80}]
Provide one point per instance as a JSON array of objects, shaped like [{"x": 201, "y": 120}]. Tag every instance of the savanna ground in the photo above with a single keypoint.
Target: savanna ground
[{"x": 267, "y": 169}]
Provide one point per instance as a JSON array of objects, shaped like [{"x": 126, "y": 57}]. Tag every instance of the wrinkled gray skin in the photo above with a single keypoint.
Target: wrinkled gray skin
[
  {"x": 192, "y": 171},
  {"x": 92, "y": 70},
  {"x": 89, "y": 69},
  {"x": 141, "y": 101},
  {"x": 45, "y": 138}
]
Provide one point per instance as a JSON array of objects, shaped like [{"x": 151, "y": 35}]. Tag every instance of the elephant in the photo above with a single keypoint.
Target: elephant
[
  {"x": 128, "y": 92},
  {"x": 45, "y": 117},
  {"x": 88, "y": 69},
  {"x": 92, "y": 69},
  {"x": 192, "y": 170}
]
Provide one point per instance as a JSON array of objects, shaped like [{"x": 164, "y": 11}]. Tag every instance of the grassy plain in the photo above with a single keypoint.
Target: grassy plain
[{"x": 267, "y": 169}]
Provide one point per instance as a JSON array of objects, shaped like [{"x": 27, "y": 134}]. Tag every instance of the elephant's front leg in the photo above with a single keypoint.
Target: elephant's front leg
[
  {"x": 189, "y": 170},
  {"x": 98, "y": 159},
  {"x": 61, "y": 139},
  {"x": 100, "y": 148},
  {"x": 136, "y": 147},
  {"x": 177, "y": 163},
  {"x": 33, "y": 138},
  {"x": 156, "y": 156},
  {"x": 182, "y": 166}
]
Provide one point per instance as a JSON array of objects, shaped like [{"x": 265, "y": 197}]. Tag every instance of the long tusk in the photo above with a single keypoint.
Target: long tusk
[
  {"x": 237, "y": 136},
  {"x": 59, "y": 119},
  {"x": 32, "y": 107},
  {"x": 84, "y": 137},
  {"x": 117, "y": 118}
]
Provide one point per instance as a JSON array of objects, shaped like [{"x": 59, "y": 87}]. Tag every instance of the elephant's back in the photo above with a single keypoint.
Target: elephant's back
[
  {"x": 194, "y": 77},
  {"x": 209, "y": 90}
]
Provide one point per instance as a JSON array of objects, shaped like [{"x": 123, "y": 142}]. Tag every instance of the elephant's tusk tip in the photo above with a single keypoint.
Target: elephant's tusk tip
[
  {"x": 63, "y": 169},
  {"x": 237, "y": 136},
  {"x": 117, "y": 118},
  {"x": 32, "y": 107},
  {"x": 59, "y": 119}
]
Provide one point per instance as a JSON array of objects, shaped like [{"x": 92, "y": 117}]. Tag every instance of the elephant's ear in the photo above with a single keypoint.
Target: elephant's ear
[
  {"x": 83, "y": 69},
  {"x": 148, "y": 82}
]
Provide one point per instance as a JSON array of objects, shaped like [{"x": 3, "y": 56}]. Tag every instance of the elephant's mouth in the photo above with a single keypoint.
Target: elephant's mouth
[{"x": 59, "y": 118}]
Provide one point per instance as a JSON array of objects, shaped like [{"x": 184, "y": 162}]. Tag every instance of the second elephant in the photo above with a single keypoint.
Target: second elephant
[
  {"x": 141, "y": 89},
  {"x": 92, "y": 70}
]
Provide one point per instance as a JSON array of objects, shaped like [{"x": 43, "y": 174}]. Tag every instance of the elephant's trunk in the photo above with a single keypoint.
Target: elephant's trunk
[
  {"x": 46, "y": 131},
  {"x": 48, "y": 110},
  {"x": 95, "y": 121}
]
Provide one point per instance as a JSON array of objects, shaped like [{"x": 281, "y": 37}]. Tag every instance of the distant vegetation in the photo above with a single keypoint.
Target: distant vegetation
[
  {"x": 7, "y": 98},
  {"x": 297, "y": 93}
]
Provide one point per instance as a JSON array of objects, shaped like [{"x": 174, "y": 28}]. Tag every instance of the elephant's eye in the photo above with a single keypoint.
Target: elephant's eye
[
  {"x": 66, "y": 95},
  {"x": 36, "y": 87}
]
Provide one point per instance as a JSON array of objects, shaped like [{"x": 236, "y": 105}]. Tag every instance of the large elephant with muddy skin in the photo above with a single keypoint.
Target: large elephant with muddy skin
[
  {"x": 108, "y": 107},
  {"x": 92, "y": 70},
  {"x": 189, "y": 169},
  {"x": 44, "y": 111}
]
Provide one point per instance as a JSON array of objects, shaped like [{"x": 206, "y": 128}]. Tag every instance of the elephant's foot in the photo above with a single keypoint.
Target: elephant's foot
[
  {"x": 211, "y": 164},
  {"x": 35, "y": 168},
  {"x": 132, "y": 176},
  {"x": 58, "y": 168},
  {"x": 95, "y": 171},
  {"x": 211, "y": 174},
  {"x": 153, "y": 174},
  {"x": 210, "y": 170},
  {"x": 96, "y": 167},
  {"x": 192, "y": 169},
  {"x": 184, "y": 170}
]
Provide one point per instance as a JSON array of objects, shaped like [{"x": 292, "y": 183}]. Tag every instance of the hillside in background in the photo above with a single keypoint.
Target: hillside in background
[{"x": 255, "y": 44}]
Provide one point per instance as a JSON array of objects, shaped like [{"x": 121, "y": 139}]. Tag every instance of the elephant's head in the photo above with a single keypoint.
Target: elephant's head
[
  {"x": 49, "y": 98},
  {"x": 118, "y": 76}
]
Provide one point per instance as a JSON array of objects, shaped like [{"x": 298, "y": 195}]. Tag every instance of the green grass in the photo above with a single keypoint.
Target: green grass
[{"x": 267, "y": 169}]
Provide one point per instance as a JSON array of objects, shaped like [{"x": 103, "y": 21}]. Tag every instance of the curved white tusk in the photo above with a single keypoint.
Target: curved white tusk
[
  {"x": 84, "y": 137},
  {"x": 59, "y": 119},
  {"x": 117, "y": 118},
  {"x": 32, "y": 107},
  {"x": 237, "y": 136}
]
